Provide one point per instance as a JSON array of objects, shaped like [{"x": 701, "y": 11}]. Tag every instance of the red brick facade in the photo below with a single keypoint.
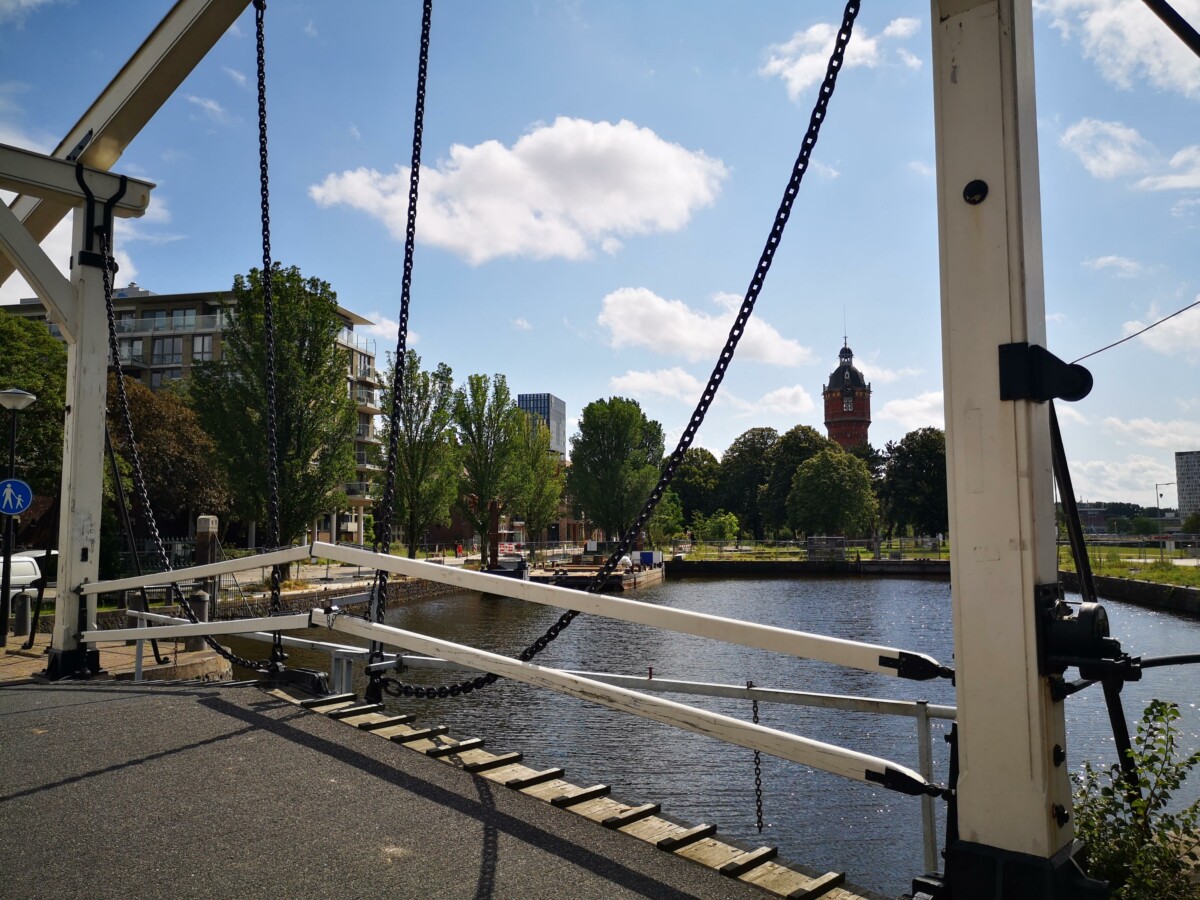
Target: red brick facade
[{"x": 847, "y": 403}]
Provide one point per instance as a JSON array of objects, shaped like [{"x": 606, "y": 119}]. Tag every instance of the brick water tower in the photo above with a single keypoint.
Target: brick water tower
[{"x": 847, "y": 402}]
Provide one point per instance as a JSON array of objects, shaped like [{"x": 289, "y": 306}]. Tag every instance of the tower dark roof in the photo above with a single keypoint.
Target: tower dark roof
[{"x": 845, "y": 375}]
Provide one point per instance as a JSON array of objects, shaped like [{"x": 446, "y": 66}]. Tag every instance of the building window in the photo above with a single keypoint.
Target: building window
[
  {"x": 202, "y": 347},
  {"x": 183, "y": 320},
  {"x": 848, "y": 402},
  {"x": 130, "y": 349},
  {"x": 125, "y": 322},
  {"x": 364, "y": 425},
  {"x": 159, "y": 377},
  {"x": 157, "y": 320},
  {"x": 167, "y": 351}
]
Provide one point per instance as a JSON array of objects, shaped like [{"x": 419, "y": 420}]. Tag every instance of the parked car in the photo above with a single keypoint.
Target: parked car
[
  {"x": 23, "y": 573},
  {"x": 47, "y": 561}
]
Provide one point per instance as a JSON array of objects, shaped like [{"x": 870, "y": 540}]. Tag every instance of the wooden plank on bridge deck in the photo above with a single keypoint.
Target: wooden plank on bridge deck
[
  {"x": 788, "y": 883},
  {"x": 709, "y": 852},
  {"x": 651, "y": 829},
  {"x": 598, "y": 809},
  {"x": 547, "y": 789}
]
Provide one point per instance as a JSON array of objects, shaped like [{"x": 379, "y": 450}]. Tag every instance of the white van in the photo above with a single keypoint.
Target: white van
[{"x": 23, "y": 573}]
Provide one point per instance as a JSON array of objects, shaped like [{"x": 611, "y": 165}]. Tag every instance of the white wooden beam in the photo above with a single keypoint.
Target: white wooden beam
[
  {"x": 853, "y": 654},
  {"x": 51, "y": 287},
  {"x": 827, "y": 757},
  {"x": 42, "y": 176},
  {"x": 998, "y": 452},
  {"x": 195, "y": 573},
  {"x": 195, "y": 629}
]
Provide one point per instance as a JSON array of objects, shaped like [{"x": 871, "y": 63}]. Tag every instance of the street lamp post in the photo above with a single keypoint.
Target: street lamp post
[
  {"x": 14, "y": 400},
  {"x": 1158, "y": 506}
]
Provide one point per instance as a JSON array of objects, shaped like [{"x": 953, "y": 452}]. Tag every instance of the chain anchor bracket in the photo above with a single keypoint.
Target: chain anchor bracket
[
  {"x": 1031, "y": 372},
  {"x": 88, "y": 256}
]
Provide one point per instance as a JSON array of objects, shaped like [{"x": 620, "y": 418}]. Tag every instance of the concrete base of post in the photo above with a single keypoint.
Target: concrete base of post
[{"x": 199, "y": 604}]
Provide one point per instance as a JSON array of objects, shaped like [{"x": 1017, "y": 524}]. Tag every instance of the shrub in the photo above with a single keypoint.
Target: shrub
[{"x": 1143, "y": 850}]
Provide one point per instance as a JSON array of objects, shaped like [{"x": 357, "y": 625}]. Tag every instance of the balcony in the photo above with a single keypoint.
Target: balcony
[
  {"x": 359, "y": 490},
  {"x": 171, "y": 325},
  {"x": 367, "y": 461}
]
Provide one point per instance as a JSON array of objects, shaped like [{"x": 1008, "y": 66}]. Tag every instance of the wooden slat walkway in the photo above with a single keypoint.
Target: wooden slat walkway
[{"x": 758, "y": 867}]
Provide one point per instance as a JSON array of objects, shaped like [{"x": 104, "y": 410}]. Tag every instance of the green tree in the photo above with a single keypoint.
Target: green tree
[
  {"x": 1191, "y": 525},
  {"x": 720, "y": 526},
  {"x": 831, "y": 494},
  {"x": 745, "y": 469},
  {"x": 615, "y": 461},
  {"x": 913, "y": 492},
  {"x": 488, "y": 423},
  {"x": 315, "y": 416},
  {"x": 539, "y": 477},
  {"x": 176, "y": 453},
  {"x": 1143, "y": 525},
  {"x": 427, "y": 466},
  {"x": 666, "y": 524},
  {"x": 33, "y": 360},
  {"x": 696, "y": 483},
  {"x": 794, "y": 447}
]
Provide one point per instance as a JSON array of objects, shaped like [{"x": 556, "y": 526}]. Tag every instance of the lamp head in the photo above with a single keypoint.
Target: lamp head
[{"x": 16, "y": 399}]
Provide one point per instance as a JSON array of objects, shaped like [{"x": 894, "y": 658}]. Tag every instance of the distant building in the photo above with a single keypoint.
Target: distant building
[
  {"x": 160, "y": 337},
  {"x": 847, "y": 402},
  {"x": 1187, "y": 481},
  {"x": 554, "y": 412}
]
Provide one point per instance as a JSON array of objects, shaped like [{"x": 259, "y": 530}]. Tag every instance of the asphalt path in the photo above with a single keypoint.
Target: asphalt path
[{"x": 111, "y": 790}]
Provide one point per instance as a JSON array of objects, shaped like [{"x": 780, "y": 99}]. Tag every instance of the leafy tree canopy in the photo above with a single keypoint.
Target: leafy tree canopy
[
  {"x": 720, "y": 526},
  {"x": 696, "y": 482},
  {"x": 1192, "y": 523},
  {"x": 315, "y": 416},
  {"x": 35, "y": 361},
  {"x": 539, "y": 477},
  {"x": 913, "y": 492},
  {"x": 427, "y": 458},
  {"x": 795, "y": 446},
  {"x": 745, "y": 469},
  {"x": 831, "y": 494},
  {"x": 488, "y": 423},
  {"x": 615, "y": 461},
  {"x": 178, "y": 457},
  {"x": 667, "y": 522}
]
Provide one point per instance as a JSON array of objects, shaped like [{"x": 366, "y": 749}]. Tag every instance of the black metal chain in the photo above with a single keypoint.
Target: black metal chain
[
  {"x": 385, "y": 510},
  {"x": 264, "y": 184},
  {"x": 396, "y": 688},
  {"x": 135, "y": 459},
  {"x": 757, "y": 765}
]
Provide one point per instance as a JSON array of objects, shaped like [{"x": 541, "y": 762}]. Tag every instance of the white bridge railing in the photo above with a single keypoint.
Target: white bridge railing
[{"x": 612, "y": 691}]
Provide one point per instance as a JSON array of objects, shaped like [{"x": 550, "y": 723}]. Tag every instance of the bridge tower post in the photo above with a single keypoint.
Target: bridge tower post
[{"x": 1015, "y": 836}]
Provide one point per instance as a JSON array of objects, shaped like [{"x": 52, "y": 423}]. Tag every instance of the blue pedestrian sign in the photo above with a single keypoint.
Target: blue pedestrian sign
[{"x": 15, "y": 497}]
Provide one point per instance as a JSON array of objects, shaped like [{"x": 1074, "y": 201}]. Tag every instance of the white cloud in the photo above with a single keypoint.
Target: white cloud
[
  {"x": 800, "y": 61},
  {"x": 1107, "y": 149},
  {"x": 17, "y": 10},
  {"x": 877, "y": 374},
  {"x": 1069, "y": 413},
  {"x": 916, "y": 412},
  {"x": 522, "y": 324},
  {"x": 1127, "y": 42},
  {"x": 637, "y": 317},
  {"x": 562, "y": 190},
  {"x": 310, "y": 29},
  {"x": 212, "y": 110},
  {"x": 387, "y": 331},
  {"x": 354, "y": 132},
  {"x": 911, "y": 60},
  {"x": 239, "y": 78},
  {"x": 1179, "y": 336},
  {"x": 1151, "y": 433},
  {"x": 1122, "y": 266},
  {"x": 674, "y": 384},
  {"x": 827, "y": 172},
  {"x": 792, "y": 401},
  {"x": 1119, "y": 479},
  {"x": 924, "y": 169},
  {"x": 1184, "y": 206},
  {"x": 1186, "y": 176}
]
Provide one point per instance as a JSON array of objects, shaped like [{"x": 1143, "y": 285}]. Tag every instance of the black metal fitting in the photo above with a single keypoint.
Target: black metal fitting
[
  {"x": 975, "y": 192},
  {"x": 1030, "y": 372}
]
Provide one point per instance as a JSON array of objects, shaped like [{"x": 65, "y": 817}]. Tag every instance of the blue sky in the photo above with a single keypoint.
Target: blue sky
[{"x": 599, "y": 178}]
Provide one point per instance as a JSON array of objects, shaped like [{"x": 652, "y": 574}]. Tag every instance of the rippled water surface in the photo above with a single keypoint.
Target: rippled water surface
[{"x": 816, "y": 819}]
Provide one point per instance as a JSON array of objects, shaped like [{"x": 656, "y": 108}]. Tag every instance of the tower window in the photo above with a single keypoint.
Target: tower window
[{"x": 848, "y": 402}]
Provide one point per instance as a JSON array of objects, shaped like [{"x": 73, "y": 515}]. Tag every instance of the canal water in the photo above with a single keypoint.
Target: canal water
[{"x": 816, "y": 819}]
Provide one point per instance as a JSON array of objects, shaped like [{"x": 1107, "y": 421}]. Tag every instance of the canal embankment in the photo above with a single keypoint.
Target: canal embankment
[
  {"x": 898, "y": 568},
  {"x": 1151, "y": 594}
]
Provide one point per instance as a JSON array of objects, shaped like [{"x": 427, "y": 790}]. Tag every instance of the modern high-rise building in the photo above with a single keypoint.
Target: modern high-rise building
[
  {"x": 1187, "y": 481},
  {"x": 847, "y": 402},
  {"x": 160, "y": 337},
  {"x": 554, "y": 412}
]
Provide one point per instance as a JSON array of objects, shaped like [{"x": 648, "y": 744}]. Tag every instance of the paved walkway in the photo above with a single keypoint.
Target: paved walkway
[
  {"x": 117, "y": 659},
  {"x": 112, "y": 790}
]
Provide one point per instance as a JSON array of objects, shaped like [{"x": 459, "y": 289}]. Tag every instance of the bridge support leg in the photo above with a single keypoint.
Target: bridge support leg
[
  {"x": 82, "y": 471},
  {"x": 1014, "y": 798}
]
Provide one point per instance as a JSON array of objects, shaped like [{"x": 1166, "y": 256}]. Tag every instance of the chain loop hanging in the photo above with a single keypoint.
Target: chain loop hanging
[
  {"x": 264, "y": 185},
  {"x": 135, "y": 459},
  {"x": 710, "y": 391},
  {"x": 757, "y": 766}
]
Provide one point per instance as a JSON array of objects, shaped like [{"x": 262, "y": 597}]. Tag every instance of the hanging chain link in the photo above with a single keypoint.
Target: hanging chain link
[
  {"x": 135, "y": 459},
  {"x": 264, "y": 189},
  {"x": 396, "y": 688},
  {"x": 757, "y": 766}
]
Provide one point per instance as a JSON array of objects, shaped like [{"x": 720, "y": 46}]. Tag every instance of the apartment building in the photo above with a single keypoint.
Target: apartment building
[{"x": 161, "y": 336}]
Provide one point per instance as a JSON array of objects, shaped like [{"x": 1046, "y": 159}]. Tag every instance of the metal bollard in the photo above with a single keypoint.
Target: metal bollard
[
  {"x": 21, "y": 613},
  {"x": 199, "y": 603}
]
